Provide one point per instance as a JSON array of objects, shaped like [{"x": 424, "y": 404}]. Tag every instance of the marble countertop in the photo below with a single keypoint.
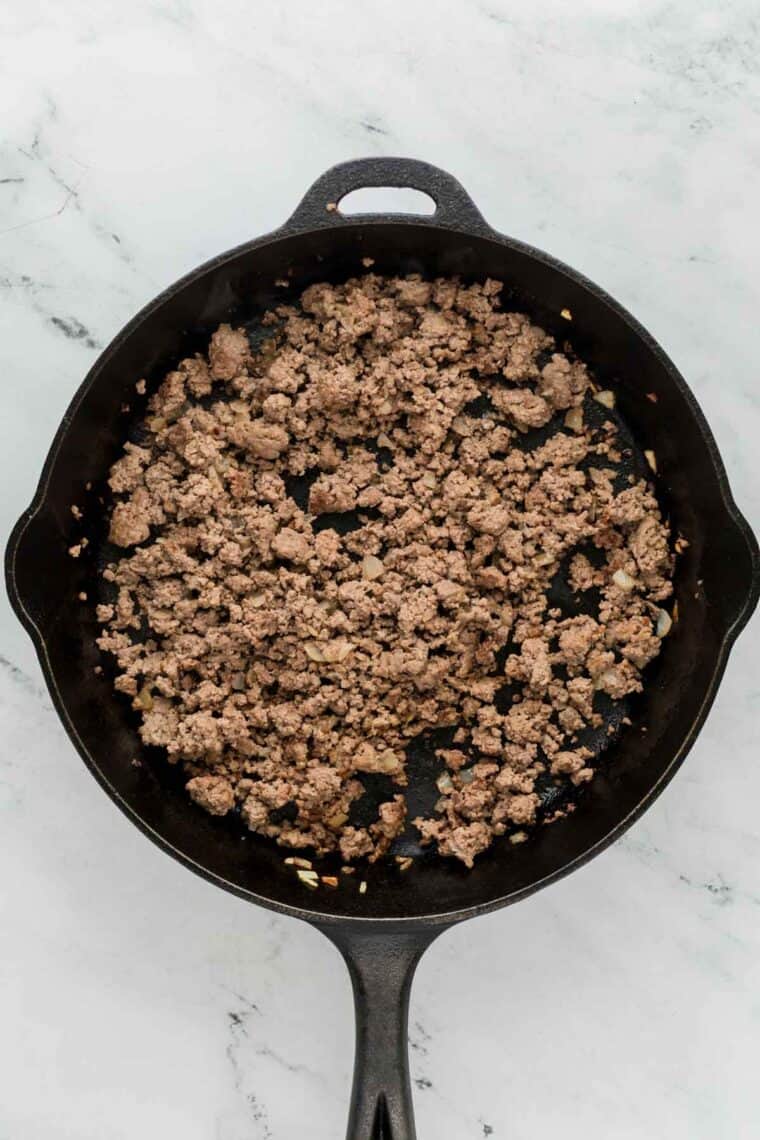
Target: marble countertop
[{"x": 140, "y": 139}]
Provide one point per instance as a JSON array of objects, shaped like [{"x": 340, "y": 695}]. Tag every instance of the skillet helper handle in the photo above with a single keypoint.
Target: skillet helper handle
[
  {"x": 319, "y": 206},
  {"x": 381, "y": 965}
]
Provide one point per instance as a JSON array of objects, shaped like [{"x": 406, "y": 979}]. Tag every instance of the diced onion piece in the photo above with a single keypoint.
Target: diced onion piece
[
  {"x": 388, "y": 763},
  {"x": 372, "y": 567},
  {"x": 335, "y": 652},
  {"x": 664, "y": 623},
  {"x": 443, "y": 783},
  {"x": 651, "y": 459},
  {"x": 605, "y": 397},
  {"x": 144, "y": 700},
  {"x": 314, "y": 653},
  {"x": 605, "y": 679},
  {"x": 574, "y": 418},
  {"x": 623, "y": 579}
]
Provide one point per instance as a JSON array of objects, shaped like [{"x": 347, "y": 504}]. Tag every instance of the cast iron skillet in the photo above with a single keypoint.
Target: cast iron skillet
[{"x": 382, "y": 933}]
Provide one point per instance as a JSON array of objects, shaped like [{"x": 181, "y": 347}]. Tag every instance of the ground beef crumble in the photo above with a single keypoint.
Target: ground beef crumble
[{"x": 279, "y": 655}]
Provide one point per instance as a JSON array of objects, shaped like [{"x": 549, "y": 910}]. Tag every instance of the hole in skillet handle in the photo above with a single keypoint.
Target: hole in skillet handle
[
  {"x": 319, "y": 207},
  {"x": 387, "y": 200}
]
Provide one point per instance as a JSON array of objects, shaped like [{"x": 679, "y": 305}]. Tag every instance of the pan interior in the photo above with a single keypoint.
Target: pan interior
[
  {"x": 239, "y": 288},
  {"x": 423, "y": 767}
]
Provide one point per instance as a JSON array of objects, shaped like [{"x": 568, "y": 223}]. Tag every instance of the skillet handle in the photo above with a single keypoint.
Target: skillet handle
[
  {"x": 381, "y": 965},
  {"x": 454, "y": 206}
]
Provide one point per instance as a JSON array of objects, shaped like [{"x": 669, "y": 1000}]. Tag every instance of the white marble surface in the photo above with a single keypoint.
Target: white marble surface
[{"x": 139, "y": 139}]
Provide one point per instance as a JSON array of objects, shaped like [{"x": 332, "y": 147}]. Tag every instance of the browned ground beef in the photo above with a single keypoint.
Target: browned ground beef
[{"x": 283, "y": 658}]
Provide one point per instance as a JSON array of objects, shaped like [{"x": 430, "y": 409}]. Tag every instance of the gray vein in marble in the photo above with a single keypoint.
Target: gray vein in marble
[
  {"x": 372, "y": 128},
  {"x": 288, "y": 1066},
  {"x": 721, "y": 892},
  {"x": 42, "y": 154},
  {"x": 69, "y": 326},
  {"x": 22, "y": 282},
  {"x": 277, "y": 940},
  {"x": 238, "y": 1032},
  {"x": 419, "y": 1039},
  {"x": 717, "y": 888},
  {"x": 73, "y": 329},
  {"x": 70, "y": 196},
  {"x": 250, "y": 1006},
  {"x": 24, "y": 681}
]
